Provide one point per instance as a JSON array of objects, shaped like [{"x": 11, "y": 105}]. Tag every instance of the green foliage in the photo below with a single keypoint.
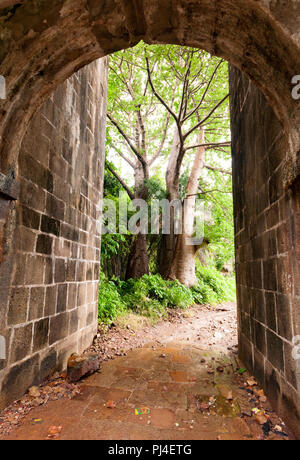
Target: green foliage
[
  {"x": 151, "y": 296},
  {"x": 220, "y": 231},
  {"x": 112, "y": 186},
  {"x": 112, "y": 245},
  {"x": 110, "y": 302},
  {"x": 213, "y": 287},
  {"x": 156, "y": 188},
  {"x": 131, "y": 100}
]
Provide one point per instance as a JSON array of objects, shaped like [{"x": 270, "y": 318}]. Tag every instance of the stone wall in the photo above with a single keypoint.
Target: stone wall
[
  {"x": 267, "y": 230},
  {"x": 49, "y": 274}
]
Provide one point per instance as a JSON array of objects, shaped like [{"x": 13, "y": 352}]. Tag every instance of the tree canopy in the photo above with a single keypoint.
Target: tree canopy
[{"x": 165, "y": 96}]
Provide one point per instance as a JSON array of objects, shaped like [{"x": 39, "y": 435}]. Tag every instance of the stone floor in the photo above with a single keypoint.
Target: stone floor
[{"x": 181, "y": 388}]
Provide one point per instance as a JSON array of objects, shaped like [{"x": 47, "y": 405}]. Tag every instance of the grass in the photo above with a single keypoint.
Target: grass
[{"x": 133, "y": 321}]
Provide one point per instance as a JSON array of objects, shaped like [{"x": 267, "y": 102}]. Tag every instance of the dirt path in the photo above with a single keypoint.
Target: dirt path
[
  {"x": 203, "y": 326},
  {"x": 180, "y": 380}
]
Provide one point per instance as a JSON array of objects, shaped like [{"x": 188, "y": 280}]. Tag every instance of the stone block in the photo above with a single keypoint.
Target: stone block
[
  {"x": 17, "y": 310},
  {"x": 50, "y": 225},
  {"x": 36, "y": 303},
  {"x": 62, "y": 298},
  {"x": 44, "y": 244},
  {"x": 284, "y": 316},
  {"x": 51, "y": 300},
  {"x": 40, "y": 335},
  {"x": 18, "y": 380},
  {"x": 21, "y": 343},
  {"x": 275, "y": 351},
  {"x": 59, "y": 327},
  {"x": 82, "y": 366}
]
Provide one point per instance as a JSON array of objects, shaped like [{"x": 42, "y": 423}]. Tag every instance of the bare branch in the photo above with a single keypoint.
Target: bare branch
[
  {"x": 205, "y": 92},
  {"x": 124, "y": 135},
  {"x": 122, "y": 155},
  {"x": 210, "y": 145},
  {"x": 158, "y": 95},
  {"x": 206, "y": 118},
  {"x": 223, "y": 171},
  {"x": 184, "y": 89},
  {"x": 116, "y": 175}
]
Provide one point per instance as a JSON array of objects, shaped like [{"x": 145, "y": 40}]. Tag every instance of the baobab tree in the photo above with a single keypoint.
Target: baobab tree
[
  {"x": 201, "y": 106},
  {"x": 142, "y": 132},
  {"x": 167, "y": 103}
]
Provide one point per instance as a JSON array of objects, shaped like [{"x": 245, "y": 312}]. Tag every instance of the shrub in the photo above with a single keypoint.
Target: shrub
[
  {"x": 151, "y": 296},
  {"x": 179, "y": 296},
  {"x": 110, "y": 301},
  {"x": 213, "y": 286}
]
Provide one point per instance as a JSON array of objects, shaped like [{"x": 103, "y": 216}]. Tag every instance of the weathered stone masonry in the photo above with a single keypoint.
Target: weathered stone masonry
[
  {"x": 43, "y": 43},
  {"x": 49, "y": 269},
  {"x": 267, "y": 246}
]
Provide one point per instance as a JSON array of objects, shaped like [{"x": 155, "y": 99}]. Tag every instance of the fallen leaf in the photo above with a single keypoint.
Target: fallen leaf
[
  {"x": 261, "y": 419},
  {"x": 204, "y": 407},
  {"x": 143, "y": 411},
  {"x": 225, "y": 391},
  {"x": 36, "y": 421},
  {"x": 54, "y": 431},
  {"x": 34, "y": 392},
  {"x": 111, "y": 404},
  {"x": 251, "y": 383}
]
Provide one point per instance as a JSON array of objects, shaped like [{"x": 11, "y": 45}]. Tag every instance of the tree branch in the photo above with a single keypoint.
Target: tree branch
[
  {"x": 223, "y": 171},
  {"x": 124, "y": 135},
  {"x": 158, "y": 96},
  {"x": 116, "y": 175},
  {"x": 206, "y": 118},
  {"x": 204, "y": 94},
  {"x": 210, "y": 145},
  {"x": 119, "y": 152}
]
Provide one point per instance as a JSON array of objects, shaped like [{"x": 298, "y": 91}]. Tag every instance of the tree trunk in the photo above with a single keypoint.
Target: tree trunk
[
  {"x": 183, "y": 266},
  {"x": 168, "y": 242},
  {"x": 138, "y": 262}
]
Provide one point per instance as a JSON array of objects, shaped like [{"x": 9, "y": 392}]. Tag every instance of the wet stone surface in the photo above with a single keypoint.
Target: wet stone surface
[
  {"x": 177, "y": 389},
  {"x": 145, "y": 396}
]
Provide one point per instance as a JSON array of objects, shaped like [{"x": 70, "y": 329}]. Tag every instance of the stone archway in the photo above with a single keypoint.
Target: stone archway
[{"x": 42, "y": 45}]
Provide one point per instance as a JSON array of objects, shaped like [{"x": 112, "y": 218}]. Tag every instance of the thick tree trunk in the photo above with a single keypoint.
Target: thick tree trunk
[
  {"x": 183, "y": 266},
  {"x": 168, "y": 243},
  {"x": 166, "y": 254},
  {"x": 138, "y": 262}
]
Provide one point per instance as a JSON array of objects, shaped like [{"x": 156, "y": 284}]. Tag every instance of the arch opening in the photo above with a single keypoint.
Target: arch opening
[{"x": 41, "y": 50}]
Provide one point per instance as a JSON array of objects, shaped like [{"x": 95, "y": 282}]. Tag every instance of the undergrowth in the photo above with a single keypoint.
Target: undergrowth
[{"x": 151, "y": 296}]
